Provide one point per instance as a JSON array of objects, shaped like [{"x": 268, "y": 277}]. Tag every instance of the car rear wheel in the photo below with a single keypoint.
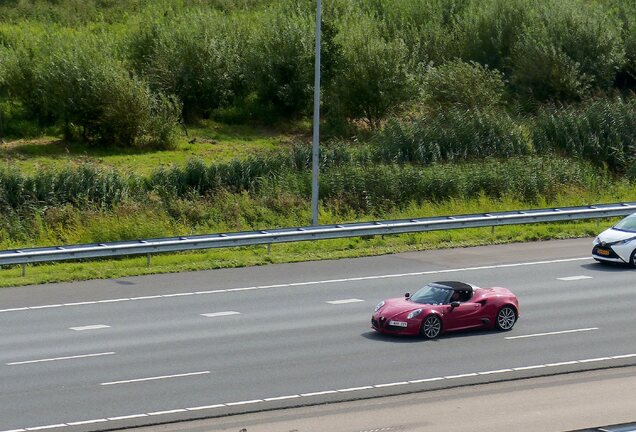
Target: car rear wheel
[
  {"x": 431, "y": 327},
  {"x": 506, "y": 318},
  {"x": 632, "y": 260}
]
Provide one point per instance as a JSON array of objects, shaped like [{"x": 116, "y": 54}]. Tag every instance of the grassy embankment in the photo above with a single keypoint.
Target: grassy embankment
[
  {"x": 430, "y": 108},
  {"x": 227, "y": 211}
]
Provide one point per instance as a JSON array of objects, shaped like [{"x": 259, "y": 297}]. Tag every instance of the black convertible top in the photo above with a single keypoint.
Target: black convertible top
[{"x": 457, "y": 286}]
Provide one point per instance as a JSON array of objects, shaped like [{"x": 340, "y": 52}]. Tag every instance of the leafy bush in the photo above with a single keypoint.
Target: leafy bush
[
  {"x": 427, "y": 27},
  {"x": 196, "y": 55},
  {"x": 72, "y": 78},
  {"x": 490, "y": 29},
  {"x": 603, "y": 132},
  {"x": 566, "y": 49},
  {"x": 375, "y": 189},
  {"x": 451, "y": 135},
  {"x": 83, "y": 186},
  {"x": 376, "y": 76},
  {"x": 281, "y": 61},
  {"x": 470, "y": 85},
  {"x": 626, "y": 15}
]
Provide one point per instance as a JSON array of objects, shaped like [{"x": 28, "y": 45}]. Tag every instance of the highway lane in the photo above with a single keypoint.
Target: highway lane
[
  {"x": 273, "y": 333},
  {"x": 560, "y": 403}
]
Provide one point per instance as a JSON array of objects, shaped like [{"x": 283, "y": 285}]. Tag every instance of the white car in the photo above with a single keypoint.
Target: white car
[{"x": 617, "y": 244}]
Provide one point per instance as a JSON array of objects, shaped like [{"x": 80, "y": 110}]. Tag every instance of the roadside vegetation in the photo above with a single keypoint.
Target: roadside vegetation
[{"x": 126, "y": 120}]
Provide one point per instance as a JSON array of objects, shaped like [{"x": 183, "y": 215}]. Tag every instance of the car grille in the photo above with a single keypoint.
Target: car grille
[
  {"x": 378, "y": 323},
  {"x": 612, "y": 254}
]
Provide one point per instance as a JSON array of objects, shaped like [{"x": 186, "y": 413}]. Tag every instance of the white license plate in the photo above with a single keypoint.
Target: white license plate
[{"x": 397, "y": 323}]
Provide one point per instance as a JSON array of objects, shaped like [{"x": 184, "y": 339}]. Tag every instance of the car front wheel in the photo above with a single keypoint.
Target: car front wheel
[
  {"x": 632, "y": 260},
  {"x": 506, "y": 318},
  {"x": 431, "y": 327}
]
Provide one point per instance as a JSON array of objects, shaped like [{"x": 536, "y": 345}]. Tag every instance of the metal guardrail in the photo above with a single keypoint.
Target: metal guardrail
[{"x": 321, "y": 232}]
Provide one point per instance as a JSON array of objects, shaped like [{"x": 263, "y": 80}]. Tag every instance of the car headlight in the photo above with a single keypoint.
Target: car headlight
[
  {"x": 624, "y": 242},
  {"x": 596, "y": 241},
  {"x": 379, "y": 306},
  {"x": 414, "y": 313}
]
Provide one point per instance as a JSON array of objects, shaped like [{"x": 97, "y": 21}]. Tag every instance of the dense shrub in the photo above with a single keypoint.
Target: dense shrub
[
  {"x": 626, "y": 14},
  {"x": 463, "y": 84},
  {"x": 428, "y": 27},
  {"x": 281, "y": 61},
  {"x": 490, "y": 29},
  {"x": 603, "y": 132},
  {"x": 197, "y": 56},
  {"x": 376, "y": 76},
  {"x": 565, "y": 49},
  {"x": 254, "y": 59},
  {"x": 451, "y": 135},
  {"x": 84, "y": 186},
  {"x": 378, "y": 188},
  {"x": 73, "y": 78}
]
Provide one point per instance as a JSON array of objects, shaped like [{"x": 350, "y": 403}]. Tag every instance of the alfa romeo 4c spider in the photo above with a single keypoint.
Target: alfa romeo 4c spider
[{"x": 440, "y": 307}]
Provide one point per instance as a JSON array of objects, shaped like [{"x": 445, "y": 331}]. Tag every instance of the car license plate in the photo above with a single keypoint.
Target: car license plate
[
  {"x": 602, "y": 252},
  {"x": 397, "y": 323}
]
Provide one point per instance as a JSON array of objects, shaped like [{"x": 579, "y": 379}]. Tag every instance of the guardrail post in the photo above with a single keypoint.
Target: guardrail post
[
  {"x": 269, "y": 248},
  {"x": 23, "y": 269},
  {"x": 492, "y": 233},
  {"x": 148, "y": 259}
]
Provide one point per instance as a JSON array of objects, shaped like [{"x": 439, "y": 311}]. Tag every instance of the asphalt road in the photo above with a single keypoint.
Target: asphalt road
[
  {"x": 117, "y": 353},
  {"x": 583, "y": 402}
]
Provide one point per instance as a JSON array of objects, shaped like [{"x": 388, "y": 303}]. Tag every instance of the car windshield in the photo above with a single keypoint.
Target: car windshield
[
  {"x": 432, "y": 294},
  {"x": 628, "y": 224}
]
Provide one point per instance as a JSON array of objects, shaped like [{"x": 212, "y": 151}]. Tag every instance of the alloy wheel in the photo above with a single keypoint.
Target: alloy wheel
[
  {"x": 506, "y": 318},
  {"x": 431, "y": 327}
]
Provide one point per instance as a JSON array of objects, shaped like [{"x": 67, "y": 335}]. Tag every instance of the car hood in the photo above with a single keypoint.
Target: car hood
[
  {"x": 613, "y": 235},
  {"x": 397, "y": 306}
]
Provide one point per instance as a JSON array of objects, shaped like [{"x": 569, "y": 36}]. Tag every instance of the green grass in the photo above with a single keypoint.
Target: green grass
[
  {"x": 293, "y": 252},
  {"x": 328, "y": 249},
  {"x": 207, "y": 140}
]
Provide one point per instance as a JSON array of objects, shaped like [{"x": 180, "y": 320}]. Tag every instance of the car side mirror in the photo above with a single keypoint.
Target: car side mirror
[
  {"x": 407, "y": 295},
  {"x": 454, "y": 304}
]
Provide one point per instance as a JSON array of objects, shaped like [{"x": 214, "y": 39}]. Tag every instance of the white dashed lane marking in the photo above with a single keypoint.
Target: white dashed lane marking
[
  {"x": 297, "y": 284},
  {"x": 60, "y": 358},
  {"x": 345, "y": 301},
  {"x": 90, "y": 327},
  {"x": 574, "y": 278},
  {"x": 220, "y": 314},
  {"x": 552, "y": 333}
]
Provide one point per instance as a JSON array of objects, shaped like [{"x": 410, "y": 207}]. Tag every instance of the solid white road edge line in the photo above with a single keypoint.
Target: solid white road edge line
[
  {"x": 127, "y": 417},
  {"x": 86, "y": 422},
  {"x": 294, "y": 284},
  {"x": 60, "y": 358},
  {"x": 37, "y": 428},
  {"x": 326, "y": 392},
  {"x": 552, "y": 333},
  {"x": 155, "y": 378}
]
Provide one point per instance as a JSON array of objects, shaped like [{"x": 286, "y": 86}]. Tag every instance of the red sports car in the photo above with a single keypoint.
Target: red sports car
[{"x": 440, "y": 307}]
